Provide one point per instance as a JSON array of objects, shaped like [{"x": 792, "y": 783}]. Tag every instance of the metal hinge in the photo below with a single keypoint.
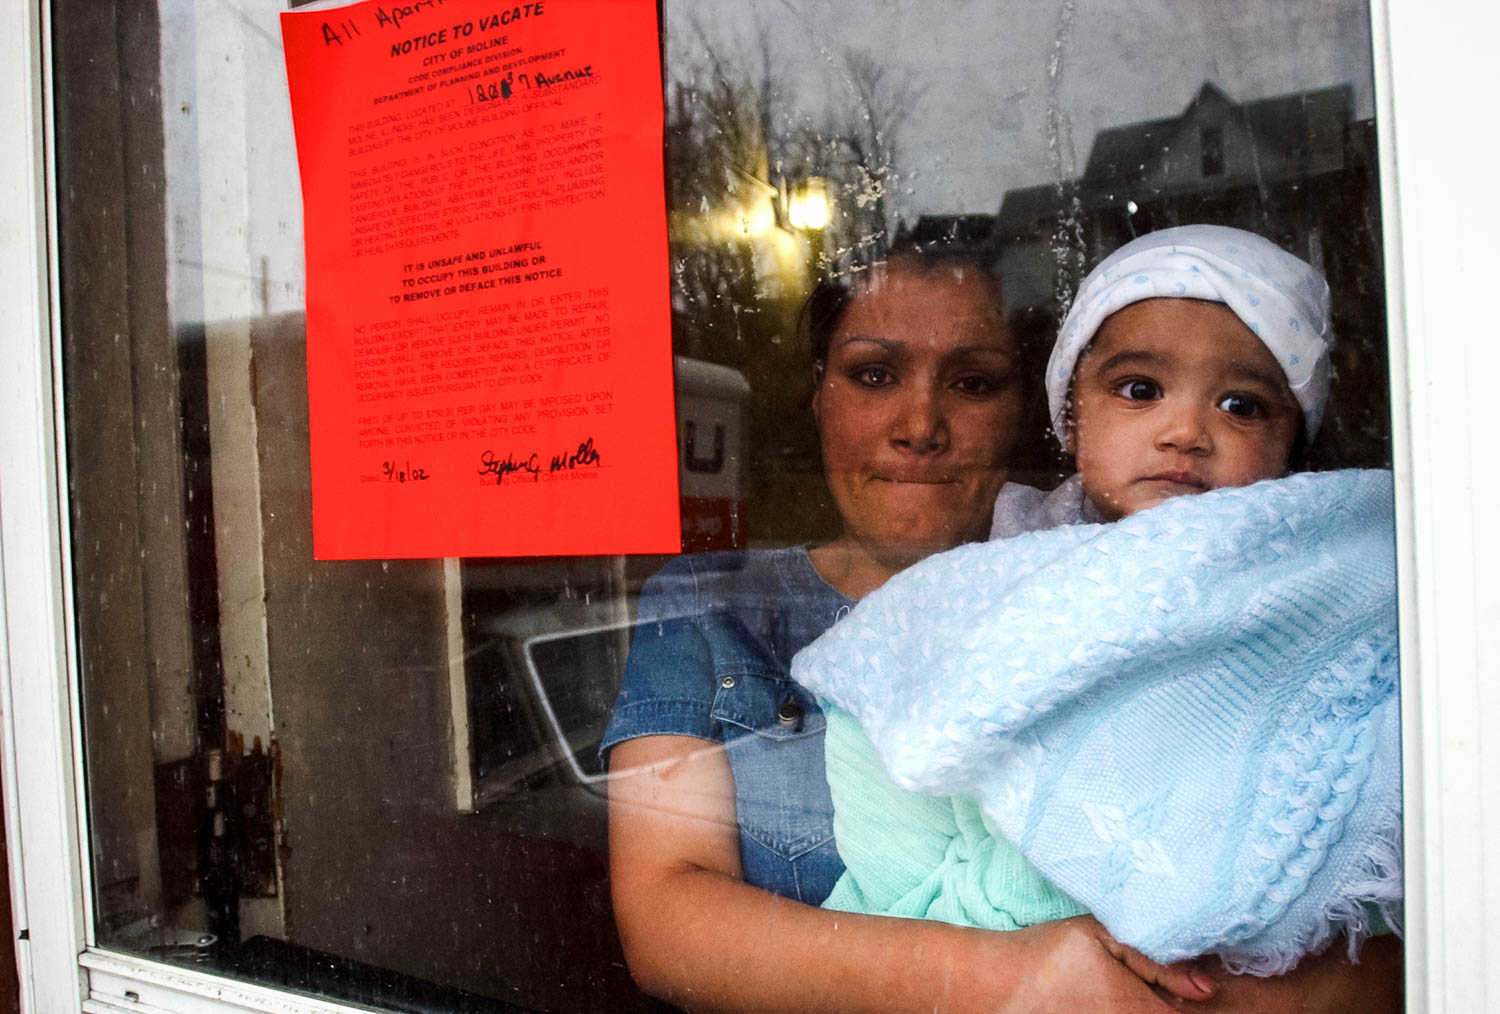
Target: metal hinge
[{"x": 217, "y": 822}]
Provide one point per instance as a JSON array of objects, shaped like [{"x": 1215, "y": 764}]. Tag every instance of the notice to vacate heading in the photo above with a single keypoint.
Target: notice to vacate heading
[{"x": 488, "y": 327}]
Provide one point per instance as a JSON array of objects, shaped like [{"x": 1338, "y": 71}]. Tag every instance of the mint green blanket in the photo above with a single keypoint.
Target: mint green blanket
[{"x": 937, "y": 857}]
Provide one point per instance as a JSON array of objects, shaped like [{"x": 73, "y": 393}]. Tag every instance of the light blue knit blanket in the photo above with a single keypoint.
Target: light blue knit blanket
[{"x": 1187, "y": 720}]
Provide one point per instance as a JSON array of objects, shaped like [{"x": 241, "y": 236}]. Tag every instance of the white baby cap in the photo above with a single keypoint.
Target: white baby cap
[{"x": 1279, "y": 297}]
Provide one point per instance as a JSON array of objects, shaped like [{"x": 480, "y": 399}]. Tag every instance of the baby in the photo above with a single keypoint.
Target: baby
[
  {"x": 1204, "y": 315},
  {"x": 1183, "y": 720}
]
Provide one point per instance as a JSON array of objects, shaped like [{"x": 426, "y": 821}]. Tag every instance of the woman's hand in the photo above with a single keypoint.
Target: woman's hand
[
  {"x": 1074, "y": 965},
  {"x": 1328, "y": 983},
  {"x": 1184, "y": 979},
  {"x": 696, "y": 934}
]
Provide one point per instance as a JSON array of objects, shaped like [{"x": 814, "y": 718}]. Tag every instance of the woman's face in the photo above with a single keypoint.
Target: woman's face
[{"x": 917, "y": 409}]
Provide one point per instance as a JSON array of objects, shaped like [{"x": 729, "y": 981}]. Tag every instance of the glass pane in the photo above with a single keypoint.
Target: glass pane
[{"x": 383, "y": 780}]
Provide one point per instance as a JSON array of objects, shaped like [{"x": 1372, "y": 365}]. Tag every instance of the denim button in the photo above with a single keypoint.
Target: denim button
[
  {"x": 789, "y": 713},
  {"x": 727, "y": 682}
]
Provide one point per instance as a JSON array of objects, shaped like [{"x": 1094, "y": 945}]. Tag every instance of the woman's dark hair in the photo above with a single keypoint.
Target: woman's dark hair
[
  {"x": 832, "y": 296},
  {"x": 820, "y": 317}
]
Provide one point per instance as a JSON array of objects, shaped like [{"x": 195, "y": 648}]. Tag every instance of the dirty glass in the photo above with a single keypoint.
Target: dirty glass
[{"x": 381, "y": 780}]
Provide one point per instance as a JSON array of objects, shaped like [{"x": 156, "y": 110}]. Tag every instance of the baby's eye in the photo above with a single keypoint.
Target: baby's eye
[
  {"x": 1246, "y": 406},
  {"x": 1138, "y": 389},
  {"x": 872, "y": 376}
]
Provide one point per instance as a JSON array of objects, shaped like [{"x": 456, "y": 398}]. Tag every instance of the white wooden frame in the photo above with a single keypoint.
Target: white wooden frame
[
  {"x": 38, "y": 733},
  {"x": 1434, "y": 70},
  {"x": 1442, "y": 222}
]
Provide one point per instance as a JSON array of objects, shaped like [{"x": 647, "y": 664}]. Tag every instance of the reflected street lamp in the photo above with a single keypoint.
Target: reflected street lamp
[{"x": 807, "y": 204}]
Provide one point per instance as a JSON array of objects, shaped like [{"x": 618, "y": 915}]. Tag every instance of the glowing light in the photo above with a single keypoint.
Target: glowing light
[
  {"x": 758, "y": 219},
  {"x": 807, "y": 205}
]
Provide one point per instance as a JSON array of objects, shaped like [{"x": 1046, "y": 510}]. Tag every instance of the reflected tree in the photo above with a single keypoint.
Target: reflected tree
[
  {"x": 865, "y": 135},
  {"x": 737, "y": 150}
]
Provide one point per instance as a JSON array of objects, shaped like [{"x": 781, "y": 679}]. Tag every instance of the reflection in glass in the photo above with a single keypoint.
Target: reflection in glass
[{"x": 380, "y": 780}]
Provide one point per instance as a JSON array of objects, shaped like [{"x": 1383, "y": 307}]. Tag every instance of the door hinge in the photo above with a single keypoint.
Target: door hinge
[{"x": 217, "y": 823}]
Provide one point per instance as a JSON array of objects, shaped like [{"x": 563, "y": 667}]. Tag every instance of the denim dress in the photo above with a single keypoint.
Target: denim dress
[{"x": 710, "y": 658}]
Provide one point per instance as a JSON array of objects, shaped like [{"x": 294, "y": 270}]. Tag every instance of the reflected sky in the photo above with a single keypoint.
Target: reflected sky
[{"x": 981, "y": 71}]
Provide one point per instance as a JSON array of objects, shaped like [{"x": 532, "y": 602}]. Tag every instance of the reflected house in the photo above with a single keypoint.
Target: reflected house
[
  {"x": 1296, "y": 168},
  {"x": 1277, "y": 166}
]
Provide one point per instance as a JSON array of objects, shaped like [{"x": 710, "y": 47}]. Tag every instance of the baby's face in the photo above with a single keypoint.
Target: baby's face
[{"x": 1177, "y": 396}]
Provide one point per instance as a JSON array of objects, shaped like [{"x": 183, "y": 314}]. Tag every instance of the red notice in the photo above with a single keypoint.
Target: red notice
[{"x": 489, "y": 363}]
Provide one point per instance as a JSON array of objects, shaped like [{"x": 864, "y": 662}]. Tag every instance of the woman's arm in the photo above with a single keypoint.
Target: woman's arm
[{"x": 696, "y": 934}]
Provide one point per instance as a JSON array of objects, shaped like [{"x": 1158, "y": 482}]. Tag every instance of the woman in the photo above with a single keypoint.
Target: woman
[{"x": 720, "y": 821}]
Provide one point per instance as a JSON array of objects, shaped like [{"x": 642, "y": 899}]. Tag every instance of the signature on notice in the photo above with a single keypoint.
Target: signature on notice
[
  {"x": 530, "y": 466},
  {"x": 492, "y": 464}
]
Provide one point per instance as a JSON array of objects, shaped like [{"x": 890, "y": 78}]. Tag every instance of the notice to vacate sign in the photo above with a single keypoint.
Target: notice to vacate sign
[{"x": 488, "y": 327}]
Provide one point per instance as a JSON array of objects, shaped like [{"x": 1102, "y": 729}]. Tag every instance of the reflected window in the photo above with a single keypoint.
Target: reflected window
[{"x": 1211, "y": 139}]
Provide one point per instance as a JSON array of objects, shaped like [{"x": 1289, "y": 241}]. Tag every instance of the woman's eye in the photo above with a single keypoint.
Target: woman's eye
[
  {"x": 1138, "y": 389},
  {"x": 1243, "y": 405},
  {"x": 872, "y": 376},
  {"x": 976, "y": 385}
]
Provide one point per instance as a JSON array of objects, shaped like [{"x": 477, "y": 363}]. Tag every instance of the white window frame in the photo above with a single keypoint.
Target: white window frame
[{"x": 1442, "y": 240}]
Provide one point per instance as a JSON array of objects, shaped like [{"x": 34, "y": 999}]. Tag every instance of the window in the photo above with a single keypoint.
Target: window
[
  {"x": 375, "y": 868},
  {"x": 1211, "y": 141}
]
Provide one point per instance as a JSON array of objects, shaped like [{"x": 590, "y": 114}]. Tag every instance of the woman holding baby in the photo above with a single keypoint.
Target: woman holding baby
[{"x": 721, "y": 818}]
